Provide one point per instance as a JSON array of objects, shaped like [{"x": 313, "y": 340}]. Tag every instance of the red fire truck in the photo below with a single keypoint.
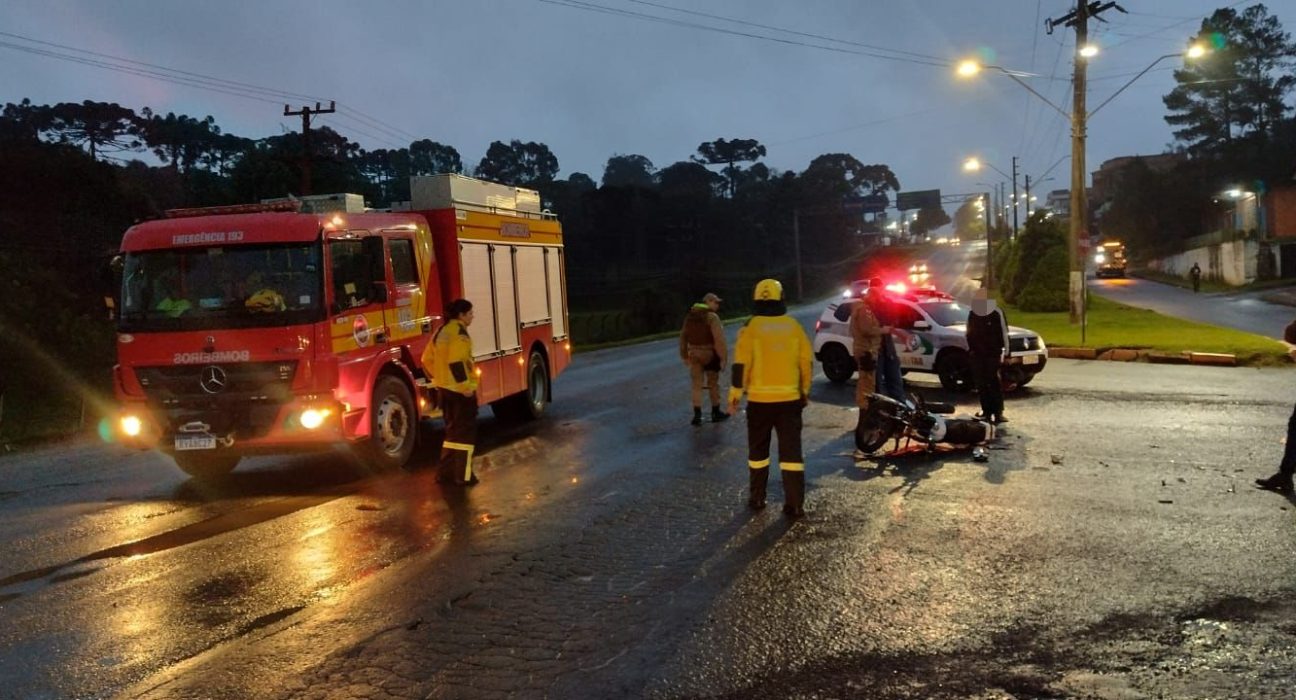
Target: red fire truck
[{"x": 253, "y": 330}]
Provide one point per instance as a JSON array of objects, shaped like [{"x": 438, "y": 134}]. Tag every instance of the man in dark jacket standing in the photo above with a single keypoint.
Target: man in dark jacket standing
[
  {"x": 703, "y": 350},
  {"x": 1282, "y": 480},
  {"x": 987, "y": 338}
]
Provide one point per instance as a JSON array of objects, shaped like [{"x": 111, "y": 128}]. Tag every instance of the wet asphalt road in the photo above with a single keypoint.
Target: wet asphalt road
[
  {"x": 1244, "y": 312},
  {"x": 1112, "y": 547}
]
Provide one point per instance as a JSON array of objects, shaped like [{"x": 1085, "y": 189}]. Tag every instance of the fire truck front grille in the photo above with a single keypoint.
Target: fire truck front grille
[{"x": 214, "y": 385}]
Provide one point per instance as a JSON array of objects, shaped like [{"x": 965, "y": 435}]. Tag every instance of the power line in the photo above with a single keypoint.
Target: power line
[
  {"x": 593, "y": 7},
  {"x": 788, "y": 31},
  {"x": 1026, "y": 125},
  {"x": 1172, "y": 26},
  {"x": 135, "y": 71},
  {"x": 246, "y": 89}
]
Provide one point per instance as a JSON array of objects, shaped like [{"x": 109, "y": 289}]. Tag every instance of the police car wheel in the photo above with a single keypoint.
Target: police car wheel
[
  {"x": 955, "y": 371},
  {"x": 838, "y": 366}
]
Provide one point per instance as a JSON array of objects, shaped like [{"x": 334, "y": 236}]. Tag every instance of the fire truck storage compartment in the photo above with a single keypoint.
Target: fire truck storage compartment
[
  {"x": 475, "y": 264},
  {"x": 446, "y": 190},
  {"x": 532, "y": 291},
  {"x": 559, "y": 314},
  {"x": 505, "y": 298}
]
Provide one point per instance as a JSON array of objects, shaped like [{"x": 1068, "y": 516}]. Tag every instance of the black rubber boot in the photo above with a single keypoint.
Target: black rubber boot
[
  {"x": 1280, "y": 482},
  {"x": 697, "y": 415},
  {"x": 717, "y": 415},
  {"x": 794, "y": 494},
  {"x": 757, "y": 478}
]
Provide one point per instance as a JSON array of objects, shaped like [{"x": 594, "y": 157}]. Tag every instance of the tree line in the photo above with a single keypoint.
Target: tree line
[
  {"x": 1233, "y": 129},
  {"x": 643, "y": 242}
]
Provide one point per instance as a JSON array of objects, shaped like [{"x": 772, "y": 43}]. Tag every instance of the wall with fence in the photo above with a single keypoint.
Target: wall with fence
[{"x": 1232, "y": 261}]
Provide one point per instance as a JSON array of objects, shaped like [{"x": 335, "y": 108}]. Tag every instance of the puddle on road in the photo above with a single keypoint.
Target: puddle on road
[{"x": 27, "y": 582}]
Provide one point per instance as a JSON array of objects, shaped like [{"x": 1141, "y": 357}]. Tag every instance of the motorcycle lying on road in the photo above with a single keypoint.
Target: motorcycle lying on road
[{"x": 914, "y": 420}]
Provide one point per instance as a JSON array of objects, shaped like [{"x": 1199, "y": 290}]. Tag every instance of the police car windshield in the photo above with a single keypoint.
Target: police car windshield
[
  {"x": 222, "y": 287},
  {"x": 945, "y": 313}
]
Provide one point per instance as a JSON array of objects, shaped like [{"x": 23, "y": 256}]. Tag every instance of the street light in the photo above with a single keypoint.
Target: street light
[
  {"x": 970, "y": 67},
  {"x": 975, "y": 164},
  {"x": 1078, "y": 117},
  {"x": 1194, "y": 52}
]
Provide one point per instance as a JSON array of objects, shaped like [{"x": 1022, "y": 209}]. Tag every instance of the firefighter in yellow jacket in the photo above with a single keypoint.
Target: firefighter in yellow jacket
[
  {"x": 772, "y": 365},
  {"x": 448, "y": 360}
]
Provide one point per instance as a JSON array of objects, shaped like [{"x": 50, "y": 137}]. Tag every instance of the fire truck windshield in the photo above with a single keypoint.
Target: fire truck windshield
[{"x": 222, "y": 287}]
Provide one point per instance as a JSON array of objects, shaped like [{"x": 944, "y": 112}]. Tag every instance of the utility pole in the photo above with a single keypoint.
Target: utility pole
[
  {"x": 1003, "y": 206},
  {"x": 305, "y": 113},
  {"x": 796, "y": 248},
  {"x": 988, "y": 283},
  {"x": 1079, "y": 229},
  {"x": 1014, "y": 203},
  {"x": 1028, "y": 198}
]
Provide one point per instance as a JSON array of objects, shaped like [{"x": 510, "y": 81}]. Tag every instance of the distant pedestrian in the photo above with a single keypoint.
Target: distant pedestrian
[
  {"x": 1195, "y": 274},
  {"x": 772, "y": 365},
  {"x": 887, "y": 375},
  {"x": 987, "y": 339},
  {"x": 703, "y": 350},
  {"x": 448, "y": 360},
  {"x": 1282, "y": 480}
]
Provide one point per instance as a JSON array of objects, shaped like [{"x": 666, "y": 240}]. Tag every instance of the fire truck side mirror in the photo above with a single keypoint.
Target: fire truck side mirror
[{"x": 114, "y": 284}]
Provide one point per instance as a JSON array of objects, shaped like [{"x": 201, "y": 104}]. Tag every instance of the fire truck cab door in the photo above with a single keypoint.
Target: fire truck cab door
[
  {"x": 405, "y": 311},
  {"x": 356, "y": 264}
]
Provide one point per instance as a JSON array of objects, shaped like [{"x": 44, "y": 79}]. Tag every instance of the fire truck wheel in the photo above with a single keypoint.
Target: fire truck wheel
[
  {"x": 206, "y": 467},
  {"x": 392, "y": 427},
  {"x": 531, "y": 403}
]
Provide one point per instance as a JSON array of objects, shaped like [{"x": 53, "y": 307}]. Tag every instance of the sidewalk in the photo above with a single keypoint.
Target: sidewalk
[
  {"x": 1285, "y": 296},
  {"x": 1253, "y": 312}
]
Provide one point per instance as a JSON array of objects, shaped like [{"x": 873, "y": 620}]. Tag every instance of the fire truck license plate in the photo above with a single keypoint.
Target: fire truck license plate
[{"x": 195, "y": 442}]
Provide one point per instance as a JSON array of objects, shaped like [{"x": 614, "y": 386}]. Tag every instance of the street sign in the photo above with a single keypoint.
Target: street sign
[
  {"x": 918, "y": 199},
  {"x": 868, "y": 204}
]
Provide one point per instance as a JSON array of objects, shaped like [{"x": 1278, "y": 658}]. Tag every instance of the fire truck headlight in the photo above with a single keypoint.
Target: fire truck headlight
[
  {"x": 313, "y": 418},
  {"x": 132, "y": 426}
]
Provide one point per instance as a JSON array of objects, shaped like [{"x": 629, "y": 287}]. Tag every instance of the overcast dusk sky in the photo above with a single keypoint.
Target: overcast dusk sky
[{"x": 593, "y": 83}]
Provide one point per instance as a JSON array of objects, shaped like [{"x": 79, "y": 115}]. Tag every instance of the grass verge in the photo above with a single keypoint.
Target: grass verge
[{"x": 1115, "y": 325}]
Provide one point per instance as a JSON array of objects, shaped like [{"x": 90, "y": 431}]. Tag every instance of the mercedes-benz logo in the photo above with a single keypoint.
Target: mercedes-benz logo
[{"x": 212, "y": 380}]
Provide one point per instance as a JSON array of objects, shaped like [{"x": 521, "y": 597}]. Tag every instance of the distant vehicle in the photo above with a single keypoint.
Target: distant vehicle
[
  {"x": 1110, "y": 259},
  {"x": 856, "y": 289},
  {"x": 918, "y": 275},
  {"x": 931, "y": 336}
]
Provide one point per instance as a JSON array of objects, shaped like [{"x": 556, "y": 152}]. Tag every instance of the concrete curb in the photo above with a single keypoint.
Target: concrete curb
[{"x": 1154, "y": 356}]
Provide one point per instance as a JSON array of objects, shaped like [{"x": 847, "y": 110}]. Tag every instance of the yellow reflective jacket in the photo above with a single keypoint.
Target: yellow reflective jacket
[
  {"x": 771, "y": 361},
  {"x": 448, "y": 359}
]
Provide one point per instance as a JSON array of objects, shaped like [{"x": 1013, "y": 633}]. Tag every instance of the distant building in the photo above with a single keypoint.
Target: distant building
[
  {"x": 1059, "y": 202},
  {"x": 1107, "y": 176}
]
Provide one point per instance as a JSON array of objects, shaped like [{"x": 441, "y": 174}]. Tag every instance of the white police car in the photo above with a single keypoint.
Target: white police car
[{"x": 930, "y": 335}]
